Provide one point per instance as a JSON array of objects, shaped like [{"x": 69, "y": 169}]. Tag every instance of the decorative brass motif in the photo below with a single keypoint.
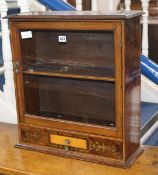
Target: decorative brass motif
[
  {"x": 33, "y": 135},
  {"x": 101, "y": 147}
]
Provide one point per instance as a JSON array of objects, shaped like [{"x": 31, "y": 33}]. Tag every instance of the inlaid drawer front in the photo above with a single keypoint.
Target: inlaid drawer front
[
  {"x": 72, "y": 141},
  {"x": 68, "y": 141}
]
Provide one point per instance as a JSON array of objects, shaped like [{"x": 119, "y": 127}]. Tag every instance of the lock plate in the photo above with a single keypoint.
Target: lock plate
[{"x": 16, "y": 65}]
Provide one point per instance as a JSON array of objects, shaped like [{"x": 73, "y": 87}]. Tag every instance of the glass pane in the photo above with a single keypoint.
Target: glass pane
[
  {"x": 69, "y": 52},
  {"x": 70, "y": 99}
]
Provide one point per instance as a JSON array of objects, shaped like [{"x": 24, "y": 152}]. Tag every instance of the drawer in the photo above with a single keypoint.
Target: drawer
[{"x": 68, "y": 142}]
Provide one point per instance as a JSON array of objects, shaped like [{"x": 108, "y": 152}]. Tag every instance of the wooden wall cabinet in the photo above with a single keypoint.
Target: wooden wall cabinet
[{"x": 77, "y": 82}]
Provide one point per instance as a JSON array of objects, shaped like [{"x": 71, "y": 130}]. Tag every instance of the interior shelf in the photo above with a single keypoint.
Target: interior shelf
[{"x": 63, "y": 75}]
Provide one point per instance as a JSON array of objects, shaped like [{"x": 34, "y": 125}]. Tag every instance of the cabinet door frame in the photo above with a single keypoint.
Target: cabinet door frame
[{"x": 103, "y": 25}]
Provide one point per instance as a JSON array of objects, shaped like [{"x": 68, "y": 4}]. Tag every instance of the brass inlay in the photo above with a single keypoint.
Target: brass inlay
[
  {"x": 101, "y": 147},
  {"x": 68, "y": 141}
]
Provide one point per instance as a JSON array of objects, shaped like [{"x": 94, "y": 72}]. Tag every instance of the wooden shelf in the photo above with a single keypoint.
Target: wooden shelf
[{"x": 63, "y": 75}]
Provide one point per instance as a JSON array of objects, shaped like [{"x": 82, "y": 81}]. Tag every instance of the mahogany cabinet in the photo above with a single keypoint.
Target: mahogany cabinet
[{"x": 77, "y": 80}]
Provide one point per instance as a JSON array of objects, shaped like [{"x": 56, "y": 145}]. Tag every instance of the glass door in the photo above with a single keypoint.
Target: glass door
[{"x": 71, "y": 76}]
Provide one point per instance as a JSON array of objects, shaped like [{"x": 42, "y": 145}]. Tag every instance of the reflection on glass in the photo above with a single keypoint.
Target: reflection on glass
[
  {"x": 88, "y": 53},
  {"x": 85, "y": 101}
]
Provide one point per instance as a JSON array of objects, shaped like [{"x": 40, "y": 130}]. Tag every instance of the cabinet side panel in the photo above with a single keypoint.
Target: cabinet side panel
[{"x": 132, "y": 50}]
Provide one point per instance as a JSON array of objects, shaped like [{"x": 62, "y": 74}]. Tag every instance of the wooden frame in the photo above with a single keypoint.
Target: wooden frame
[{"x": 111, "y": 145}]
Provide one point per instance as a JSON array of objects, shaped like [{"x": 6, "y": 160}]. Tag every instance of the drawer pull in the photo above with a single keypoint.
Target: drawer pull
[{"x": 67, "y": 143}]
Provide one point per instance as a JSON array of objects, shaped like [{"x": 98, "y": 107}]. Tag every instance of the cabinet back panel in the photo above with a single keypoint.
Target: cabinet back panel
[
  {"x": 70, "y": 99},
  {"x": 82, "y": 52}
]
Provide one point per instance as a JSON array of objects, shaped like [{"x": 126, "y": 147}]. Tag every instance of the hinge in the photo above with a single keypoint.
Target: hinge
[{"x": 16, "y": 65}]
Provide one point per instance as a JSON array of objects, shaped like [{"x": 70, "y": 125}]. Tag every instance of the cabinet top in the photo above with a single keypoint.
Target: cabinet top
[{"x": 74, "y": 15}]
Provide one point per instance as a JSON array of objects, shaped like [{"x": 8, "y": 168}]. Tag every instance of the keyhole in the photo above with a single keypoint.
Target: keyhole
[{"x": 67, "y": 142}]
